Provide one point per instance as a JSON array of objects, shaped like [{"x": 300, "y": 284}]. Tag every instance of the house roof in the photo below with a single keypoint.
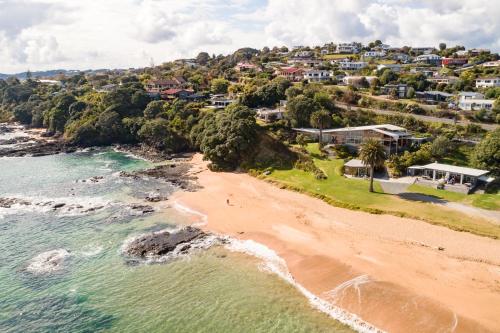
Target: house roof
[
  {"x": 453, "y": 169},
  {"x": 291, "y": 70},
  {"x": 387, "y": 129},
  {"x": 176, "y": 91},
  {"x": 354, "y": 163}
]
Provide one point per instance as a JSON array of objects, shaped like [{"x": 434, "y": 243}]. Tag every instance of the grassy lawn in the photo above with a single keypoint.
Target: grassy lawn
[
  {"x": 353, "y": 194},
  {"x": 338, "y": 56}
]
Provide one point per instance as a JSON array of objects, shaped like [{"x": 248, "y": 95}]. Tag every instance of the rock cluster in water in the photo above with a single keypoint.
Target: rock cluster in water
[
  {"x": 163, "y": 242},
  {"x": 175, "y": 173},
  {"x": 47, "y": 262}
]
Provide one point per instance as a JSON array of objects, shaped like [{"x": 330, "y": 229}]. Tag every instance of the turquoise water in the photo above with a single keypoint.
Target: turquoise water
[{"x": 95, "y": 289}]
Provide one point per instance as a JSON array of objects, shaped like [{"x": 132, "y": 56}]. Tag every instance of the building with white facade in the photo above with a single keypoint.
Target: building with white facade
[
  {"x": 471, "y": 101},
  {"x": 489, "y": 82},
  {"x": 352, "y": 65},
  {"x": 349, "y": 48},
  {"x": 375, "y": 54},
  {"x": 317, "y": 75}
]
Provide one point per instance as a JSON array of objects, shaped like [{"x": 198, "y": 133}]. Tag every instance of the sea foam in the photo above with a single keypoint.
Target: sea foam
[{"x": 273, "y": 263}]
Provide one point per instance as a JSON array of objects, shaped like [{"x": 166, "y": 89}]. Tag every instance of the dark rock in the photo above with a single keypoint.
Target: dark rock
[
  {"x": 163, "y": 242},
  {"x": 59, "y": 205},
  {"x": 143, "y": 209}
]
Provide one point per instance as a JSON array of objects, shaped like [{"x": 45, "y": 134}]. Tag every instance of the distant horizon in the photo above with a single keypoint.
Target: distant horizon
[{"x": 41, "y": 34}]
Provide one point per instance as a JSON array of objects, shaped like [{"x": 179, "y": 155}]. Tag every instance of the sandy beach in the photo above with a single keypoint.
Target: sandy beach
[{"x": 400, "y": 275}]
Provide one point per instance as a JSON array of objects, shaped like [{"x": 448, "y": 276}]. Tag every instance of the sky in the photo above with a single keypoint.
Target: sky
[{"x": 91, "y": 34}]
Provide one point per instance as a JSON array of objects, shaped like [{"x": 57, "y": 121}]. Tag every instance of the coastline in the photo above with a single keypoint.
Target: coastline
[{"x": 396, "y": 274}]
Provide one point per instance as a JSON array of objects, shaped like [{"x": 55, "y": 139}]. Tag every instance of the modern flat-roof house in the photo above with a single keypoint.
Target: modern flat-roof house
[
  {"x": 448, "y": 177},
  {"x": 270, "y": 115},
  {"x": 394, "y": 138},
  {"x": 400, "y": 90},
  {"x": 220, "y": 101},
  {"x": 443, "y": 79},
  {"x": 374, "y": 54},
  {"x": 348, "y": 48},
  {"x": 491, "y": 64},
  {"x": 422, "y": 50},
  {"x": 317, "y": 75},
  {"x": 431, "y": 59},
  {"x": 471, "y": 101},
  {"x": 433, "y": 97},
  {"x": 308, "y": 62},
  {"x": 352, "y": 65},
  {"x": 488, "y": 82}
]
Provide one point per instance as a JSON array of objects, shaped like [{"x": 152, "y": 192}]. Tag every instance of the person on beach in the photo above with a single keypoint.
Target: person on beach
[{"x": 227, "y": 201}]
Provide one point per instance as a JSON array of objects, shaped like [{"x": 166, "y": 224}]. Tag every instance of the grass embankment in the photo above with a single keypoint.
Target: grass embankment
[{"x": 353, "y": 194}]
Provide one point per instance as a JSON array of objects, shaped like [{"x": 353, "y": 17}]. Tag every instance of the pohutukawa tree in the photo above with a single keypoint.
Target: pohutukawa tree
[
  {"x": 321, "y": 119},
  {"x": 372, "y": 153}
]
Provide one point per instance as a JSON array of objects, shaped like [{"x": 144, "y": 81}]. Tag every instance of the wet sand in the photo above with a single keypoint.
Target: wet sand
[{"x": 400, "y": 275}]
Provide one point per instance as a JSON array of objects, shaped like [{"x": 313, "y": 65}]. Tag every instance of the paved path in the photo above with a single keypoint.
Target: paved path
[{"x": 488, "y": 127}]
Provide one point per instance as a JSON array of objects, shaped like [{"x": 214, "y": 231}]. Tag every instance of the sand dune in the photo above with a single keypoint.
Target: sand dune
[{"x": 399, "y": 274}]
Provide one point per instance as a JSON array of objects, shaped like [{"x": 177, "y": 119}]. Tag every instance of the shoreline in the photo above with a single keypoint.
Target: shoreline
[{"x": 395, "y": 273}]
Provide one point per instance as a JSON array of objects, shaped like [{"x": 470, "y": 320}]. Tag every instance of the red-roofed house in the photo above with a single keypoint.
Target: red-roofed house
[
  {"x": 246, "y": 67},
  {"x": 291, "y": 73},
  {"x": 176, "y": 93}
]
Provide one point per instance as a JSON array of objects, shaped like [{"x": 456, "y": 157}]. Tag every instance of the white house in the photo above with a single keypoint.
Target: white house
[
  {"x": 422, "y": 50},
  {"x": 352, "y": 65},
  {"x": 490, "y": 82},
  {"x": 432, "y": 59},
  {"x": 471, "y": 101},
  {"x": 443, "y": 79},
  {"x": 396, "y": 68},
  {"x": 492, "y": 64},
  {"x": 317, "y": 75},
  {"x": 349, "y": 48},
  {"x": 220, "y": 101},
  {"x": 375, "y": 54}
]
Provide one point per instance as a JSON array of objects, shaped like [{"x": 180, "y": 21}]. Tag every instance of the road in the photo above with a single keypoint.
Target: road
[{"x": 488, "y": 127}]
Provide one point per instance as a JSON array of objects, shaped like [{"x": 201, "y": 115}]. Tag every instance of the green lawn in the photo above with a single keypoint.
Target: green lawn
[
  {"x": 338, "y": 56},
  {"x": 353, "y": 194}
]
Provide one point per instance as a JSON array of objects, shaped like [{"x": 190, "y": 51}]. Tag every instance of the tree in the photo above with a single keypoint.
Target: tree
[
  {"x": 410, "y": 93},
  {"x": 202, "y": 58},
  {"x": 442, "y": 46},
  {"x": 220, "y": 86},
  {"x": 301, "y": 140},
  {"x": 372, "y": 153},
  {"x": 321, "y": 119},
  {"x": 487, "y": 153},
  {"x": 300, "y": 109},
  {"x": 153, "y": 109},
  {"x": 440, "y": 146}
]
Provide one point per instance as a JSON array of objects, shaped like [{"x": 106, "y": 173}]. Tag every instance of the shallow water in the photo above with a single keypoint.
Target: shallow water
[{"x": 91, "y": 288}]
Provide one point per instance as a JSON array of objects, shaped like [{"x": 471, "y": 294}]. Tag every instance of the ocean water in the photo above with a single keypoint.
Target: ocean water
[{"x": 94, "y": 289}]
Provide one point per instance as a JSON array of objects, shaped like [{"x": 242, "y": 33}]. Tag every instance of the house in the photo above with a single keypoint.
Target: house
[
  {"x": 375, "y": 54},
  {"x": 356, "y": 168},
  {"x": 462, "y": 53},
  {"x": 246, "y": 67},
  {"x": 352, "y": 65},
  {"x": 476, "y": 52},
  {"x": 490, "y": 82},
  {"x": 400, "y": 90},
  {"x": 220, "y": 101},
  {"x": 394, "y": 138},
  {"x": 433, "y": 97},
  {"x": 424, "y": 70},
  {"x": 307, "y": 62},
  {"x": 347, "y": 48},
  {"x": 50, "y": 82},
  {"x": 356, "y": 81},
  {"x": 317, "y": 75},
  {"x": 176, "y": 93},
  {"x": 422, "y": 50},
  {"x": 443, "y": 79},
  {"x": 269, "y": 115},
  {"x": 471, "y": 101},
  {"x": 107, "y": 88},
  {"x": 157, "y": 86},
  {"x": 492, "y": 64},
  {"x": 454, "y": 61},
  {"x": 402, "y": 57},
  {"x": 291, "y": 73},
  {"x": 448, "y": 177},
  {"x": 431, "y": 59},
  {"x": 396, "y": 68},
  {"x": 304, "y": 54}
]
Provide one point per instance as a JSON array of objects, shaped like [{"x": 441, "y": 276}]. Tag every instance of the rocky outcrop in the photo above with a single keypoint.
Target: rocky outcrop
[
  {"x": 174, "y": 173},
  {"x": 163, "y": 242},
  {"x": 38, "y": 148}
]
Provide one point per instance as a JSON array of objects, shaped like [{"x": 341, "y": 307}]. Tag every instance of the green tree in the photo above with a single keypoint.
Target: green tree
[
  {"x": 442, "y": 46},
  {"x": 153, "y": 109},
  {"x": 202, "y": 58},
  {"x": 301, "y": 140},
  {"x": 321, "y": 119},
  {"x": 300, "y": 109},
  {"x": 372, "y": 153},
  {"x": 219, "y": 86},
  {"x": 440, "y": 146},
  {"x": 486, "y": 156}
]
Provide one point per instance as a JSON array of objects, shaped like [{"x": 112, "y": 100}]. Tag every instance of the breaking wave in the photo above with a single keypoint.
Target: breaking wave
[{"x": 48, "y": 262}]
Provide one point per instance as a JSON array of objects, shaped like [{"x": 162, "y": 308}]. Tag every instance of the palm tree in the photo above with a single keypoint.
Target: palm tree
[
  {"x": 372, "y": 153},
  {"x": 321, "y": 119}
]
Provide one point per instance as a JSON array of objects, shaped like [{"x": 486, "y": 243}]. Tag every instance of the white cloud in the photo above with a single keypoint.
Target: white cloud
[{"x": 40, "y": 34}]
